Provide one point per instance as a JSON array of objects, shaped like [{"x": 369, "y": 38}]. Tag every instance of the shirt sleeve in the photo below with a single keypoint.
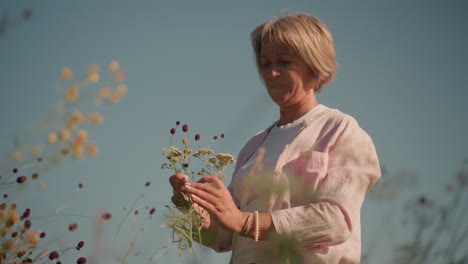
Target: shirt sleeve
[{"x": 351, "y": 168}]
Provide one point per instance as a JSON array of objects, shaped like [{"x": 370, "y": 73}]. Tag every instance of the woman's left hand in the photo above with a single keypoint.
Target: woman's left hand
[{"x": 217, "y": 200}]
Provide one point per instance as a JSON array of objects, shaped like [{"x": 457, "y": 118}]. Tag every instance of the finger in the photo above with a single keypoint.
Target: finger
[
  {"x": 178, "y": 200},
  {"x": 206, "y": 205},
  {"x": 203, "y": 194},
  {"x": 213, "y": 180},
  {"x": 202, "y": 187},
  {"x": 177, "y": 181}
]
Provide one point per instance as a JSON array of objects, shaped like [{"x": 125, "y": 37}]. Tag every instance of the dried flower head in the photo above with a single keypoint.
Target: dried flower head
[
  {"x": 73, "y": 94},
  {"x": 114, "y": 66},
  {"x": 95, "y": 118},
  {"x": 65, "y": 134},
  {"x": 105, "y": 91},
  {"x": 120, "y": 76},
  {"x": 93, "y": 77},
  {"x": 92, "y": 149},
  {"x": 122, "y": 89},
  {"x": 66, "y": 73},
  {"x": 52, "y": 138}
]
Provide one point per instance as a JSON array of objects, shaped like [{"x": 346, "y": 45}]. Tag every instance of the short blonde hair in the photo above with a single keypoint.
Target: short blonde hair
[{"x": 307, "y": 37}]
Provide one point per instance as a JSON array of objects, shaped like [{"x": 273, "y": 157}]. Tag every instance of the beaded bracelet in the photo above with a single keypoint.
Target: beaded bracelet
[{"x": 257, "y": 226}]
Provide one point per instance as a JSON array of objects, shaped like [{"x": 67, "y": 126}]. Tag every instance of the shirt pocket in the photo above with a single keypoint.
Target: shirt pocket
[{"x": 305, "y": 174}]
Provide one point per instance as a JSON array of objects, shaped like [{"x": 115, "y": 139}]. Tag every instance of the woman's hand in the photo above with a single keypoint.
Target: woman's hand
[
  {"x": 180, "y": 197},
  {"x": 177, "y": 182},
  {"x": 217, "y": 200}
]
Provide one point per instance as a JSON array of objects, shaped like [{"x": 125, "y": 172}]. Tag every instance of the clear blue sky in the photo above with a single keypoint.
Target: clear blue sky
[{"x": 401, "y": 75}]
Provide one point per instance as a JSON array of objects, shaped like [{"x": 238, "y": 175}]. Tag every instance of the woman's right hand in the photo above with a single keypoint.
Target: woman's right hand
[
  {"x": 180, "y": 197},
  {"x": 177, "y": 182}
]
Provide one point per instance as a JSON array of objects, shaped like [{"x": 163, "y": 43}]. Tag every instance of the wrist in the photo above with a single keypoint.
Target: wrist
[{"x": 243, "y": 222}]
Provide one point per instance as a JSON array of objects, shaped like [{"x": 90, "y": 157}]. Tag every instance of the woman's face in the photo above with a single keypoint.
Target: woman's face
[{"x": 288, "y": 79}]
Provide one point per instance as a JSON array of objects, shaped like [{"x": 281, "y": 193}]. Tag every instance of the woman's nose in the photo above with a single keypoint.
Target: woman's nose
[{"x": 274, "y": 73}]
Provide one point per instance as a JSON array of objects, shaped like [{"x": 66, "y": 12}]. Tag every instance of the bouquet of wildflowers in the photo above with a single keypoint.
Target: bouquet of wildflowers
[{"x": 186, "y": 222}]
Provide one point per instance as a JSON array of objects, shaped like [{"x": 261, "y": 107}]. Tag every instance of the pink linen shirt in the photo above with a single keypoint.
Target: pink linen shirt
[{"x": 323, "y": 175}]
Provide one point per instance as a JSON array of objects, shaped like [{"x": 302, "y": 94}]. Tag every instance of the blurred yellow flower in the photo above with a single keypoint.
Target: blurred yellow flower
[
  {"x": 93, "y": 68},
  {"x": 77, "y": 116},
  {"x": 92, "y": 149},
  {"x": 114, "y": 66},
  {"x": 66, "y": 73},
  {"x": 106, "y": 91},
  {"x": 81, "y": 137},
  {"x": 71, "y": 123},
  {"x": 120, "y": 76},
  {"x": 14, "y": 215},
  {"x": 36, "y": 150},
  {"x": 114, "y": 98},
  {"x": 41, "y": 186},
  {"x": 77, "y": 150},
  {"x": 93, "y": 77},
  {"x": 122, "y": 89},
  {"x": 65, "y": 134},
  {"x": 73, "y": 94},
  {"x": 65, "y": 151},
  {"x": 52, "y": 138},
  {"x": 95, "y": 118},
  {"x": 17, "y": 156}
]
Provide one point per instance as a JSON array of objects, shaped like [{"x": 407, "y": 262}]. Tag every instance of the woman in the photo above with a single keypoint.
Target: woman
[{"x": 298, "y": 186}]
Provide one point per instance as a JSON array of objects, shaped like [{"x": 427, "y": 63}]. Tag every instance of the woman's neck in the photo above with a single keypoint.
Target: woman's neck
[{"x": 290, "y": 114}]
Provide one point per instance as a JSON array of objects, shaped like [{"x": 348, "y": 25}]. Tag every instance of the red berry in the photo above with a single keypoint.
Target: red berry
[
  {"x": 215, "y": 137},
  {"x": 15, "y": 170},
  {"x": 147, "y": 184},
  {"x": 27, "y": 224},
  {"x": 53, "y": 255},
  {"x": 5, "y": 196},
  {"x": 197, "y": 137},
  {"x": 185, "y": 128},
  {"x": 14, "y": 234},
  {"x": 26, "y": 213},
  {"x": 106, "y": 216},
  {"x": 80, "y": 245},
  {"x": 73, "y": 227},
  {"x": 222, "y": 135},
  {"x": 152, "y": 211},
  {"x": 42, "y": 235},
  {"x": 80, "y": 185},
  {"x": 21, "y": 179},
  {"x": 172, "y": 131},
  {"x": 81, "y": 260},
  {"x": 177, "y": 123}
]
